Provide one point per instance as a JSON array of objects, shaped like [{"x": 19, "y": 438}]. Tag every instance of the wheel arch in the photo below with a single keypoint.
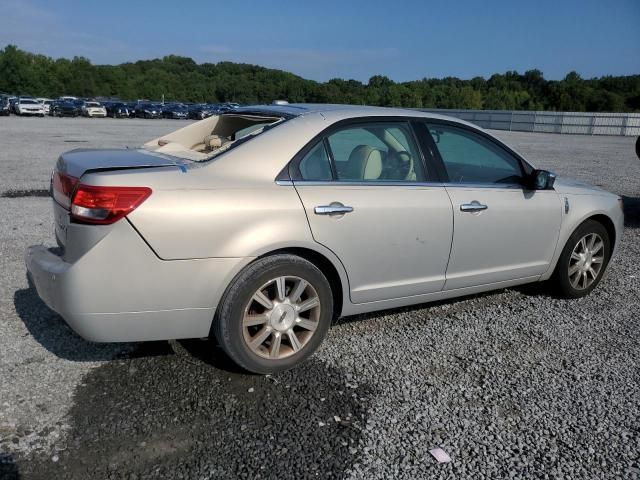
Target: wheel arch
[
  {"x": 607, "y": 223},
  {"x": 602, "y": 218},
  {"x": 326, "y": 266}
]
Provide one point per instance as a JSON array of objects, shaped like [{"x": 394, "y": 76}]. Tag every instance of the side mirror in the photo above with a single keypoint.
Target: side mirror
[{"x": 542, "y": 179}]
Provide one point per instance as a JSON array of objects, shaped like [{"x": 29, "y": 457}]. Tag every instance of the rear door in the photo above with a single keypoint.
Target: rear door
[
  {"x": 503, "y": 230},
  {"x": 369, "y": 198}
]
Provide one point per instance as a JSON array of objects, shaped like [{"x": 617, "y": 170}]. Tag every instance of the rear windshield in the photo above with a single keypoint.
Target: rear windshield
[{"x": 205, "y": 140}]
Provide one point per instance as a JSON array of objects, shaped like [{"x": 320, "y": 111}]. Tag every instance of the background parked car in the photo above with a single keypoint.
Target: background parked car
[
  {"x": 117, "y": 109},
  {"x": 46, "y": 103},
  {"x": 5, "y": 108},
  {"x": 29, "y": 106},
  {"x": 93, "y": 109},
  {"x": 47, "y": 106},
  {"x": 175, "y": 110},
  {"x": 12, "y": 103},
  {"x": 66, "y": 108},
  {"x": 131, "y": 107},
  {"x": 200, "y": 112},
  {"x": 148, "y": 110}
]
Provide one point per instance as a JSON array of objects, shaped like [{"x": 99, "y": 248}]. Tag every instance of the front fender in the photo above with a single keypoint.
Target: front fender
[{"x": 581, "y": 208}]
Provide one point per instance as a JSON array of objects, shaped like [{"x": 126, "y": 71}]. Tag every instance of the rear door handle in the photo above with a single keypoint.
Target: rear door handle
[
  {"x": 333, "y": 209},
  {"x": 474, "y": 206}
]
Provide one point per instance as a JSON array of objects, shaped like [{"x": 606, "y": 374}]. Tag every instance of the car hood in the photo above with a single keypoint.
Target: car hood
[
  {"x": 576, "y": 187},
  {"x": 77, "y": 162}
]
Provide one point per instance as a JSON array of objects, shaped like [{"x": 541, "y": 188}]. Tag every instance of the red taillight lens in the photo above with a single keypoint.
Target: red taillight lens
[
  {"x": 62, "y": 188},
  {"x": 104, "y": 205}
]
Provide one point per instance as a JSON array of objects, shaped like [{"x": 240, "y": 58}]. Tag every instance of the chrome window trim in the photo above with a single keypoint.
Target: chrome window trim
[
  {"x": 335, "y": 183},
  {"x": 499, "y": 186},
  {"x": 324, "y": 183}
]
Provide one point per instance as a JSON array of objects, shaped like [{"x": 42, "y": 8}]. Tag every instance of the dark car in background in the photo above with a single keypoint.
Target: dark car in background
[
  {"x": 131, "y": 107},
  {"x": 148, "y": 110},
  {"x": 5, "y": 107},
  {"x": 66, "y": 108},
  {"x": 199, "y": 112},
  {"x": 175, "y": 110},
  {"x": 12, "y": 103},
  {"x": 117, "y": 109}
]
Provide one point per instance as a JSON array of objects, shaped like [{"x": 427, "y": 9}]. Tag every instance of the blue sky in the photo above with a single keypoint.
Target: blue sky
[{"x": 404, "y": 40}]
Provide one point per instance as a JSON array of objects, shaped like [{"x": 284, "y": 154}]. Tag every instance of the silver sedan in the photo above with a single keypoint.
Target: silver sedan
[{"x": 261, "y": 225}]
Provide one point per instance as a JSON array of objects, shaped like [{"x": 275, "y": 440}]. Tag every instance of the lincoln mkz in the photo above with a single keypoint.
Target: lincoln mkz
[{"x": 261, "y": 225}]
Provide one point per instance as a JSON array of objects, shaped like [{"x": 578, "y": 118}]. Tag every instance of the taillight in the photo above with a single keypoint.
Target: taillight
[
  {"x": 105, "y": 205},
  {"x": 62, "y": 188}
]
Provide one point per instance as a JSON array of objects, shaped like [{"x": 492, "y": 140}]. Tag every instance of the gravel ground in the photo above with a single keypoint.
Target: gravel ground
[{"x": 512, "y": 384}]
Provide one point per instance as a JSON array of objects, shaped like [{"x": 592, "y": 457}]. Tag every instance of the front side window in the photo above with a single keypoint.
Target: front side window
[
  {"x": 377, "y": 152},
  {"x": 471, "y": 158}
]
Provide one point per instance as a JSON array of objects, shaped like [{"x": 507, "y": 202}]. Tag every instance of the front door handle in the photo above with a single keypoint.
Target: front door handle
[
  {"x": 474, "y": 206},
  {"x": 335, "y": 208}
]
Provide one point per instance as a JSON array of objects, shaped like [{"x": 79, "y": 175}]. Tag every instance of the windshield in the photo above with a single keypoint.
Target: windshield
[
  {"x": 93, "y": 104},
  {"x": 29, "y": 102}
]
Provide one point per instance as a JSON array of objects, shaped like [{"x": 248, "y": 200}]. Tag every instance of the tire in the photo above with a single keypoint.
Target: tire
[
  {"x": 574, "y": 285},
  {"x": 309, "y": 326}
]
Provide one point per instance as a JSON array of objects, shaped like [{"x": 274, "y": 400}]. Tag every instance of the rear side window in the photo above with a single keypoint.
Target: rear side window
[
  {"x": 343, "y": 142},
  {"x": 369, "y": 152},
  {"x": 471, "y": 158},
  {"x": 376, "y": 152}
]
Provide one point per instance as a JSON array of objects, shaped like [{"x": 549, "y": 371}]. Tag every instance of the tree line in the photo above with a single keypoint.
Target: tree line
[{"x": 181, "y": 78}]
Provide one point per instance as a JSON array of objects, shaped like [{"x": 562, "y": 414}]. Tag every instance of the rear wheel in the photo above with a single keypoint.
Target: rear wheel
[
  {"x": 274, "y": 314},
  {"x": 583, "y": 260}
]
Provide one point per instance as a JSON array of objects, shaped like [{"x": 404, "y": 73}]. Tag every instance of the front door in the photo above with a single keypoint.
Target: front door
[{"x": 503, "y": 230}]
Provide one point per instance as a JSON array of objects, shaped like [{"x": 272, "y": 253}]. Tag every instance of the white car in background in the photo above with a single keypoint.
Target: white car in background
[
  {"x": 29, "y": 106},
  {"x": 94, "y": 109},
  {"x": 46, "y": 103}
]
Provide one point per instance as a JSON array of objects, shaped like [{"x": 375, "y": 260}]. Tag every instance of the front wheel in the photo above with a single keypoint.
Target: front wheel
[
  {"x": 274, "y": 314},
  {"x": 583, "y": 260}
]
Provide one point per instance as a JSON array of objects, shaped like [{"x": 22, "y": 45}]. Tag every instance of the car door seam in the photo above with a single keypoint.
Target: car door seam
[{"x": 453, "y": 233}]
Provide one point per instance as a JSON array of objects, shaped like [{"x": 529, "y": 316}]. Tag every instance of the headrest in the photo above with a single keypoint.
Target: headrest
[{"x": 365, "y": 163}]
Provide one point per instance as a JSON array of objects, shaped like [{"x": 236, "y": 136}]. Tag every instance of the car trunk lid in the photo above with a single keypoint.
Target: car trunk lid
[
  {"x": 73, "y": 165},
  {"x": 80, "y": 161}
]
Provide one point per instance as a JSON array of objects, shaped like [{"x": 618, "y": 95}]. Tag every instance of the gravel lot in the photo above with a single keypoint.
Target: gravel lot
[{"x": 512, "y": 384}]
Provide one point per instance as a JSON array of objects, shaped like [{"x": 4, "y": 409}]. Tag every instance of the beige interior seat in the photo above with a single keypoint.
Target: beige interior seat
[
  {"x": 215, "y": 141},
  {"x": 365, "y": 163}
]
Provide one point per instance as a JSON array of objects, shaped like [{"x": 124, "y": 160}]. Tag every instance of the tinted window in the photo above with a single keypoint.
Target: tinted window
[
  {"x": 376, "y": 152},
  {"x": 315, "y": 164},
  {"x": 471, "y": 158}
]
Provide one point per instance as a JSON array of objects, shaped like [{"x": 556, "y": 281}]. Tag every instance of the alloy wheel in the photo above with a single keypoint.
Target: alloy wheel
[
  {"x": 281, "y": 317},
  {"x": 586, "y": 261}
]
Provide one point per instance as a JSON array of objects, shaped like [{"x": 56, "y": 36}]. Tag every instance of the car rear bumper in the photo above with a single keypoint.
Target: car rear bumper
[{"x": 120, "y": 291}]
